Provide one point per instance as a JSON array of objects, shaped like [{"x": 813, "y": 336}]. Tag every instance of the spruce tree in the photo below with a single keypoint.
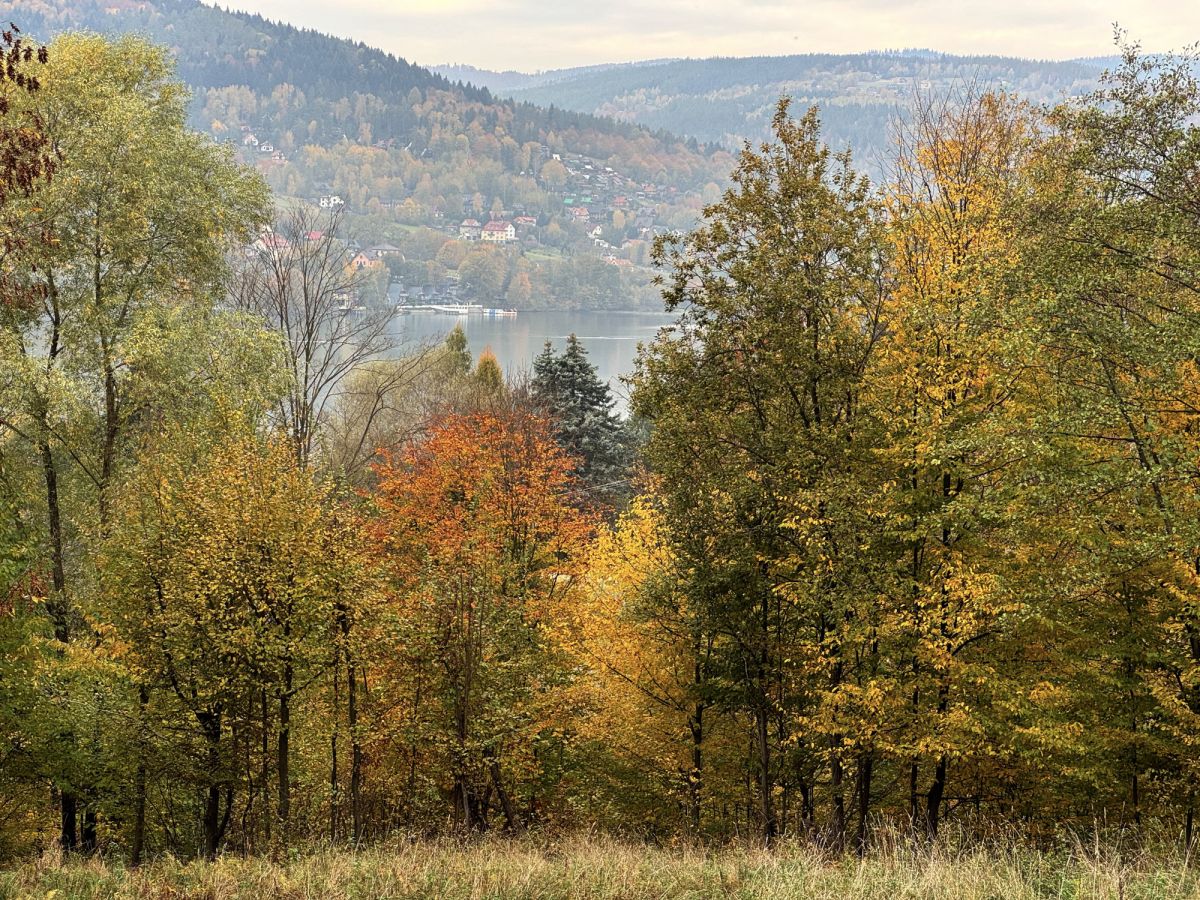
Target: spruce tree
[{"x": 580, "y": 404}]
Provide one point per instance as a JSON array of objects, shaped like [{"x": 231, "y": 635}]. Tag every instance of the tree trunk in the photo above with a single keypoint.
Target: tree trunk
[
  {"x": 766, "y": 784},
  {"x": 108, "y": 447},
  {"x": 866, "y": 768},
  {"x": 60, "y": 619},
  {"x": 68, "y": 814},
  {"x": 695, "y": 777},
  {"x": 356, "y": 755},
  {"x": 462, "y": 803},
  {"x": 212, "y": 814},
  {"x": 933, "y": 800},
  {"x": 512, "y": 822},
  {"x": 265, "y": 774},
  {"x": 837, "y": 771},
  {"x": 58, "y": 573},
  {"x": 87, "y": 833},
  {"x": 210, "y": 725},
  {"x": 283, "y": 754},
  {"x": 807, "y": 810},
  {"x": 334, "y": 786},
  {"x": 837, "y": 825},
  {"x": 914, "y": 777},
  {"x": 464, "y": 810},
  {"x": 137, "y": 847},
  {"x": 937, "y": 790},
  {"x": 1135, "y": 796}
]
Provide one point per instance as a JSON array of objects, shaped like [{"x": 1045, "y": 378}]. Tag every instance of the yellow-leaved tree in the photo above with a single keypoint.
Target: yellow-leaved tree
[{"x": 944, "y": 388}]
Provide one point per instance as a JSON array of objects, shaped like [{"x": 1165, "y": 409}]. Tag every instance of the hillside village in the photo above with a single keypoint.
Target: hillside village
[
  {"x": 580, "y": 208},
  {"x": 587, "y": 192},
  {"x": 409, "y": 156}
]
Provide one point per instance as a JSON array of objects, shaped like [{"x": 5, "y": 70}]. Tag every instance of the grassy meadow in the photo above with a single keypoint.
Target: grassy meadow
[{"x": 598, "y": 868}]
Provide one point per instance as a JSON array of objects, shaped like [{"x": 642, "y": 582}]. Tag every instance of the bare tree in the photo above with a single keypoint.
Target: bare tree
[{"x": 300, "y": 280}]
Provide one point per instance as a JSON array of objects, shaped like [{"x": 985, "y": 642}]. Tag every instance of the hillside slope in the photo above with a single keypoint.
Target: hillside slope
[
  {"x": 218, "y": 49},
  {"x": 414, "y": 157}
]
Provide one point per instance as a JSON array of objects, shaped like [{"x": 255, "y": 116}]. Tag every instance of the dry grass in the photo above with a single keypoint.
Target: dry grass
[{"x": 602, "y": 869}]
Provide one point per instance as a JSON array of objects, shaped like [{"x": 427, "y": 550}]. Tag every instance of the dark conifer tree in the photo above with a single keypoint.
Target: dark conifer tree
[{"x": 581, "y": 405}]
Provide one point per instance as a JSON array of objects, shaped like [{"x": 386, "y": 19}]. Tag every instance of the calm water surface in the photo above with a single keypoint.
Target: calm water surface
[{"x": 610, "y": 338}]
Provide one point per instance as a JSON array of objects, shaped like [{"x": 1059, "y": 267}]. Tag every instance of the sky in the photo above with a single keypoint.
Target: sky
[{"x": 531, "y": 35}]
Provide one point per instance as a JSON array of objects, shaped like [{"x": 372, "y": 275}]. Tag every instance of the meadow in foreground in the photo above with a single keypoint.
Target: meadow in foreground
[{"x": 600, "y": 869}]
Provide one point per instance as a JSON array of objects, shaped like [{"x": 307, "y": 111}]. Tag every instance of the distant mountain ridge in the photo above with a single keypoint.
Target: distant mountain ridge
[
  {"x": 730, "y": 99},
  {"x": 508, "y": 80}
]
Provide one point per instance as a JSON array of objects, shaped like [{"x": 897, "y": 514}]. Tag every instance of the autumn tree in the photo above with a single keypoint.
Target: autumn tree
[
  {"x": 649, "y": 656},
  {"x": 756, "y": 440},
  {"x": 481, "y": 534},
  {"x": 26, "y": 158},
  {"x": 488, "y": 374},
  {"x": 222, "y": 571},
  {"x": 141, "y": 215},
  {"x": 1113, "y": 272},
  {"x": 948, "y": 379}
]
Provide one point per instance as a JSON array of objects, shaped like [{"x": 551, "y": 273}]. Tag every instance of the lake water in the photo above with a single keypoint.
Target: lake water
[{"x": 610, "y": 338}]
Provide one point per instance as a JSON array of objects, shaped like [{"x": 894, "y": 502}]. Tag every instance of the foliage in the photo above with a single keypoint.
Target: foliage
[
  {"x": 26, "y": 155},
  {"x": 759, "y": 441},
  {"x": 911, "y": 567},
  {"x": 482, "y": 542},
  {"x": 221, "y": 574}
]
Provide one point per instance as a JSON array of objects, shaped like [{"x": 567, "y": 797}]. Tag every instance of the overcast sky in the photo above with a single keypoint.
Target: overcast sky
[{"x": 528, "y": 35}]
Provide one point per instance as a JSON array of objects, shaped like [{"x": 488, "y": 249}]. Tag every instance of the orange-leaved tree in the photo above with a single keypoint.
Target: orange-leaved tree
[{"x": 482, "y": 531}]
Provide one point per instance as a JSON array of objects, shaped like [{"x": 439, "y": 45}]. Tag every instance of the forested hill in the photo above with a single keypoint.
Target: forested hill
[
  {"x": 421, "y": 163},
  {"x": 728, "y": 100},
  {"x": 323, "y": 88}
]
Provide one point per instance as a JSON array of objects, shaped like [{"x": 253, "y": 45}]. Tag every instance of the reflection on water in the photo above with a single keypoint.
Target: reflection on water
[{"x": 610, "y": 338}]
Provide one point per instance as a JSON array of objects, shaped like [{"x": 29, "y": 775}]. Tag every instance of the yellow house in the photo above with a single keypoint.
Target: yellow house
[{"x": 365, "y": 260}]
